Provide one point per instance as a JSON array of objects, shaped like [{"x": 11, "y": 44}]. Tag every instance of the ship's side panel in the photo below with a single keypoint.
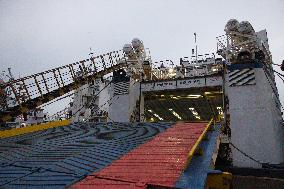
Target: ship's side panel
[{"x": 255, "y": 118}]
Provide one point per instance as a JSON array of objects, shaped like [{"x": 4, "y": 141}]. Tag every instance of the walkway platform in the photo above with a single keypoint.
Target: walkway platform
[{"x": 158, "y": 162}]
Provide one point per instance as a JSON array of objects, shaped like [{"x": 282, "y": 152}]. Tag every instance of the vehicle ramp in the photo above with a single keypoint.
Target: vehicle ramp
[
  {"x": 112, "y": 155},
  {"x": 166, "y": 161}
]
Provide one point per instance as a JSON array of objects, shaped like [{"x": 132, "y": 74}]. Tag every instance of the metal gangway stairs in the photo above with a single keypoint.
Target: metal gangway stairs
[{"x": 29, "y": 92}]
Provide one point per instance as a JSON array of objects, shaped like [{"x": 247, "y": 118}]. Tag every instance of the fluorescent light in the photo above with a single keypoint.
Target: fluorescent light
[
  {"x": 188, "y": 96},
  {"x": 194, "y": 96},
  {"x": 220, "y": 111},
  {"x": 213, "y": 92},
  {"x": 195, "y": 113},
  {"x": 156, "y": 115},
  {"x": 175, "y": 114}
]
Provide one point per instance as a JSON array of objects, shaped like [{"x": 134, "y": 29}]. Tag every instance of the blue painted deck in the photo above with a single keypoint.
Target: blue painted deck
[{"x": 58, "y": 157}]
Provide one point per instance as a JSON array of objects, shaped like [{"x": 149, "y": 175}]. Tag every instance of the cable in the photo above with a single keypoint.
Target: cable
[
  {"x": 275, "y": 64},
  {"x": 253, "y": 159},
  {"x": 280, "y": 77},
  {"x": 57, "y": 100},
  {"x": 102, "y": 106},
  {"x": 275, "y": 92},
  {"x": 63, "y": 97},
  {"x": 59, "y": 113},
  {"x": 274, "y": 70},
  {"x": 278, "y": 73},
  {"x": 111, "y": 102},
  {"x": 92, "y": 99}
]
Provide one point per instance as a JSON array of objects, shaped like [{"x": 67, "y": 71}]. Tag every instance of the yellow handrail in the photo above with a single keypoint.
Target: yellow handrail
[
  {"x": 194, "y": 148},
  {"x": 33, "y": 128}
]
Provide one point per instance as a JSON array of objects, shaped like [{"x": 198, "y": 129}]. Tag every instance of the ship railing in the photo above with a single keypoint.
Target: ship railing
[
  {"x": 58, "y": 81},
  {"x": 233, "y": 42},
  {"x": 166, "y": 69}
]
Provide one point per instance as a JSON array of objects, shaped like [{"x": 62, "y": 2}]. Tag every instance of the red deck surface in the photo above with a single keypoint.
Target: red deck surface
[{"x": 159, "y": 161}]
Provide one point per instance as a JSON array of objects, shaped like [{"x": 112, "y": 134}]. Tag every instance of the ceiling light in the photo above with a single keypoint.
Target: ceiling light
[
  {"x": 175, "y": 114},
  {"x": 156, "y": 115},
  {"x": 194, "y": 96},
  {"x": 195, "y": 113},
  {"x": 213, "y": 92},
  {"x": 220, "y": 111}
]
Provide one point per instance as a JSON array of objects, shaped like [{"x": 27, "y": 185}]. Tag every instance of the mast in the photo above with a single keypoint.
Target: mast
[{"x": 195, "y": 46}]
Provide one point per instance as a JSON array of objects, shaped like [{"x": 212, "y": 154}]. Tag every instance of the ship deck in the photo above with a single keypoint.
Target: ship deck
[{"x": 108, "y": 154}]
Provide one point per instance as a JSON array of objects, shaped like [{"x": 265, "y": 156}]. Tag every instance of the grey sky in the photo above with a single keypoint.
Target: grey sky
[{"x": 39, "y": 35}]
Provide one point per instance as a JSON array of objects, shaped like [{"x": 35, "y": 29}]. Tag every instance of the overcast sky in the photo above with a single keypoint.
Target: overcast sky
[{"x": 39, "y": 35}]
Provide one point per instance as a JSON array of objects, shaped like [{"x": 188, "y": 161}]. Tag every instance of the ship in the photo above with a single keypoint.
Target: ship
[{"x": 207, "y": 121}]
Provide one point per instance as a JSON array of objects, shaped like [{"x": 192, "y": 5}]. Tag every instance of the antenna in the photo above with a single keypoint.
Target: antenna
[
  {"x": 91, "y": 52},
  {"x": 195, "y": 46}
]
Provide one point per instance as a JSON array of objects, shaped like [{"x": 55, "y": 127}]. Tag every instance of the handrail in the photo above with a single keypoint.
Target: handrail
[
  {"x": 31, "y": 91},
  {"x": 195, "y": 146},
  {"x": 32, "y": 128}
]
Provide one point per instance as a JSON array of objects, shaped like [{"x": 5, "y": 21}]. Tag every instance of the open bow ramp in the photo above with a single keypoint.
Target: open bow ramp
[{"x": 109, "y": 155}]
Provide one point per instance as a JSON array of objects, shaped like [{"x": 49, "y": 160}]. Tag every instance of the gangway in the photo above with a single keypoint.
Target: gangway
[{"x": 32, "y": 91}]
